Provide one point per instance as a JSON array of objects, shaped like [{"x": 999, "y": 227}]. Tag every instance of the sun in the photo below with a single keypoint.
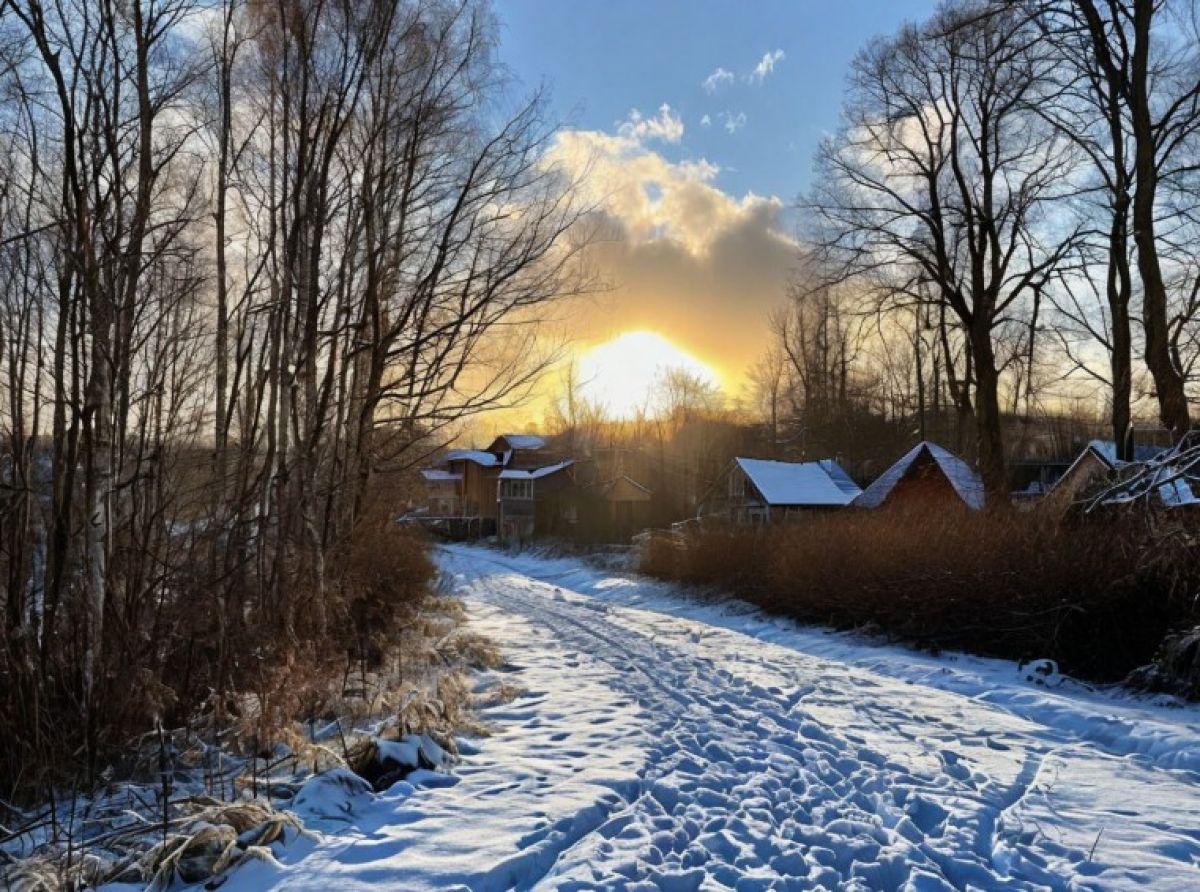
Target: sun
[{"x": 621, "y": 375}]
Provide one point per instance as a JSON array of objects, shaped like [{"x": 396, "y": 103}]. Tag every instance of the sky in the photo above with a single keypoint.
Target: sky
[{"x": 696, "y": 124}]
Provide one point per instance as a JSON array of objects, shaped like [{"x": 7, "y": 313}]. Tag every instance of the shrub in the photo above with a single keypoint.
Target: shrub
[
  {"x": 1017, "y": 586},
  {"x": 385, "y": 578}
]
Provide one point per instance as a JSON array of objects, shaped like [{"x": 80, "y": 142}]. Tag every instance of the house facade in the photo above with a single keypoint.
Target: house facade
[{"x": 531, "y": 501}]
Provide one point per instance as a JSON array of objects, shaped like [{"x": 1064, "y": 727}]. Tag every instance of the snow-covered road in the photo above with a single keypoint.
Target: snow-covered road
[{"x": 665, "y": 743}]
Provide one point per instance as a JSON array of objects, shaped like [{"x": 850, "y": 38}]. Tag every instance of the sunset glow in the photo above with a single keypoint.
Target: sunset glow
[{"x": 622, "y": 374}]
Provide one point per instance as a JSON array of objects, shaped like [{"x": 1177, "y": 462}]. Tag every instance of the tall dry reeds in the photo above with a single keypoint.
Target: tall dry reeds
[{"x": 1095, "y": 596}]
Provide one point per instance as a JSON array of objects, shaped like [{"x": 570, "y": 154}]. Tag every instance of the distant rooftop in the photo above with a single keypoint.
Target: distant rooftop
[
  {"x": 800, "y": 483},
  {"x": 964, "y": 480},
  {"x": 524, "y": 441},
  {"x": 486, "y": 459},
  {"x": 1107, "y": 450}
]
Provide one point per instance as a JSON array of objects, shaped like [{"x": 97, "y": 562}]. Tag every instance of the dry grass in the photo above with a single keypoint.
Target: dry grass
[{"x": 1092, "y": 596}]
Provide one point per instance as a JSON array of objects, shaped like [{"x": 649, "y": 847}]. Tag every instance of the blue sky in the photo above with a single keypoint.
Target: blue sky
[
  {"x": 602, "y": 59},
  {"x": 701, "y": 237}
]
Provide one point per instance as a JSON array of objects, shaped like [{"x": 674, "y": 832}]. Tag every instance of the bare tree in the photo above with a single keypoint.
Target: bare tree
[
  {"x": 944, "y": 176},
  {"x": 253, "y": 257}
]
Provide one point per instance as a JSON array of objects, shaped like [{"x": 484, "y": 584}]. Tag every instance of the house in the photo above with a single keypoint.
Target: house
[
  {"x": 509, "y": 489},
  {"x": 1097, "y": 461},
  {"x": 927, "y": 474},
  {"x": 531, "y": 501},
  {"x": 477, "y": 472},
  {"x": 759, "y": 491}
]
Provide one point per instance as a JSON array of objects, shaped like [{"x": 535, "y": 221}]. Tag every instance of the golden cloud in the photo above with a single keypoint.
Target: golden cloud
[{"x": 685, "y": 257}]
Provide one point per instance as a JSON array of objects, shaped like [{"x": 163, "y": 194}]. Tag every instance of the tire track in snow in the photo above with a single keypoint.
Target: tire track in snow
[{"x": 745, "y": 787}]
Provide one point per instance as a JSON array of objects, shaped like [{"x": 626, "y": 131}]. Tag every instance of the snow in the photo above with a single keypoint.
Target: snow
[
  {"x": 1107, "y": 450},
  {"x": 535, "y": 473},
  {"x": 799, "y": 483},
  {"x": 1176, "y": 492},
  {"x": 965, "y": 481},
  {"x": 662, "y": 741},
  {"x": 435, "y": 475},
  {"x": 486, "y": 459}
]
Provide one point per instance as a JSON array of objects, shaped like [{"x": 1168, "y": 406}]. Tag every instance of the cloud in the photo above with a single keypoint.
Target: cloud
[
  {"x": 765, "y": 66},
  {"x": 706, "y": 121},
  {"x": 733, "y": 122},
  {"x": 666, "y": 126},
  {"x": 719, "y": 78},
  {"x": 685, "y": 257}
]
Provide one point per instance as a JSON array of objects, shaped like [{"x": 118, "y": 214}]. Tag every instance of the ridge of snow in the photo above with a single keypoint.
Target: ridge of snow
[{"x": 535, "y": 473}]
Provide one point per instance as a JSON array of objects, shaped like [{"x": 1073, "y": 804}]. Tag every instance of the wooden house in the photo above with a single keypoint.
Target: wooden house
[
  {"x": 1097, "y": 461},
  {"x": 927, "y": 475},
  {"x": 519, "y": 488},
  {"x": 531, "y": 501},
  {"x": 760, "y": 491},
  {"x": 478, "y": 472}
]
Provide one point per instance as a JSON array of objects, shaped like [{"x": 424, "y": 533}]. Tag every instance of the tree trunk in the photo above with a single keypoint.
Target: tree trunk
[
  {"x": 989, "y": 436},
  {"x": 1168, "y": 380}
]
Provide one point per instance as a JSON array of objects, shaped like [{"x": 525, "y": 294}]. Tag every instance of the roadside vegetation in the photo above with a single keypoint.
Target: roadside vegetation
[
  {"x": 1097, "y": 597},
  {"x": 257, "y": 262}
]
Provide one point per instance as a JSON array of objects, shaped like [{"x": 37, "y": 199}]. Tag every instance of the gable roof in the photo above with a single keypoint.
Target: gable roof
[
  {"x": 486, "y": 459},
  {"x": 840, "y": 478},
  {"x": 1069, "y": 476},
  {"x": 1107, "y": 450},
  {"x": 529, "y": 442},
  {"x": 958, "y": 473},
  {"x": 799, "y": 483}
]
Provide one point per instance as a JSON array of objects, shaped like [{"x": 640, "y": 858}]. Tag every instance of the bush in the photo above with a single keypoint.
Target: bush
[
  {"x": 200, "y": 646},
  {"x": 386, "y": 576},
  {"x": 1092, "y": 596}
]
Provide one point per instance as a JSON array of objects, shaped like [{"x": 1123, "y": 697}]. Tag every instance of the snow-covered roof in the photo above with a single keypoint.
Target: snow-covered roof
[
  {"x": 841, "y": 479},
  {"x": 535, "y": 473},
  {"x": 1177, "y": 493},
  {"x": 437, "y": 475},
  {"x": 487, "y": 459},
  {"x": 965, "y": 481},
  {"x": 799, "y": 483},
  {"x": 1107, "y": 450},
  {"x": 523, "y": 441}
]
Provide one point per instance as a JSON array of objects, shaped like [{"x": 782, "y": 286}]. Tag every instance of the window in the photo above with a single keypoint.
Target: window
[{"x": 516, "y": 489}]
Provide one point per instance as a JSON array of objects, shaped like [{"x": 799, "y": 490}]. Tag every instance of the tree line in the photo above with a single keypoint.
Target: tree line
[
  {"x": 253, "y": 254},
  {"x": 1010, "y": 201}
]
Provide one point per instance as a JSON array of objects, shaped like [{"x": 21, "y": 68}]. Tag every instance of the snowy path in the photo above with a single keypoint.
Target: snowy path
[{"x": 694, "y": 746}]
